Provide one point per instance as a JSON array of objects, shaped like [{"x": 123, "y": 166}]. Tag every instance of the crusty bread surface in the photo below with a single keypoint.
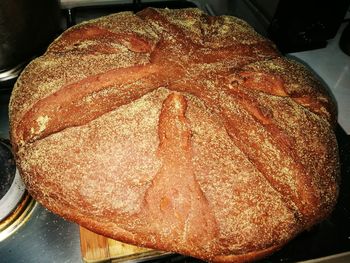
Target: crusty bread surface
[{"x": 178, "y": 131}]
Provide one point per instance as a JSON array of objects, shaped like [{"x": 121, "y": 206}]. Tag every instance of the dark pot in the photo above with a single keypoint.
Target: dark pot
[{"x": 26, "y": 29}]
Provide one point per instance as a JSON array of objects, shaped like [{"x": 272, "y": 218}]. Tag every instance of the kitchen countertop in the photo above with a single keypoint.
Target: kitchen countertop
[
  {"x": 333, "y": 66},
  {"x": 44, "y": 238}
]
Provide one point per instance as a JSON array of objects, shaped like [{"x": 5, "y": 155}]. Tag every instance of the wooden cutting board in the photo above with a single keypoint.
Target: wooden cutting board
[{"x": 96, "y": 248}]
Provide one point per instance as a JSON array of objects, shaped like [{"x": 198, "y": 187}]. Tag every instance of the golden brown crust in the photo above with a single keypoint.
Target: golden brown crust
[{"x": 177, "y": 131}]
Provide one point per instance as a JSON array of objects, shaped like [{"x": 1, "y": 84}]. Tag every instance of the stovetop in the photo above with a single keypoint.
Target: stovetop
[{"x": 46, "y": 237}]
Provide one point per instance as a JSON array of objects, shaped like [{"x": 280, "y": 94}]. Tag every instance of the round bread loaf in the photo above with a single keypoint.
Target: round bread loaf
[{"x": 178, "y": 131}]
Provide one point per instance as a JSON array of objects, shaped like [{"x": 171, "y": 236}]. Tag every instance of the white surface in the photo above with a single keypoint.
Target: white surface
[
  {"x": 10, "y": 200},
  {"x": 76, "y": 3},
  {"x": 339, "y": 258},
  {"x": 333, "y": 67}
]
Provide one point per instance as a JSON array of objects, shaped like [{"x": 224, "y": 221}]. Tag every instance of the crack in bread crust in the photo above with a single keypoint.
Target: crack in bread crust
[{"x": 175, "y": 196}]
